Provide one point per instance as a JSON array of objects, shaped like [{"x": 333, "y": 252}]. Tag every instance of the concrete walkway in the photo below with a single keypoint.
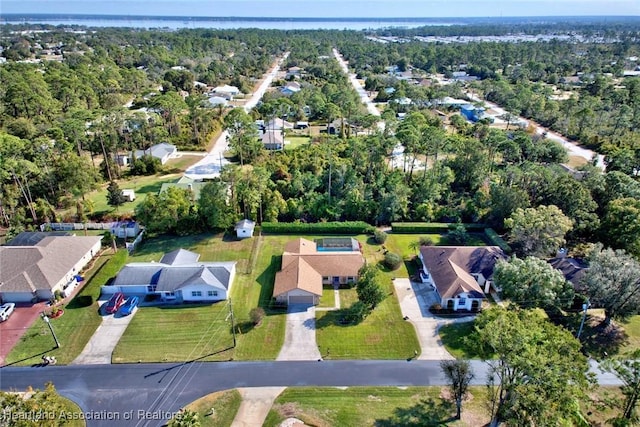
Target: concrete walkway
[
  {"x": 255, "y": 406},
  {"x": 104, "y": 340},
  {"x": 300, "y": 334},
  {"x": 415, "y": 300}
]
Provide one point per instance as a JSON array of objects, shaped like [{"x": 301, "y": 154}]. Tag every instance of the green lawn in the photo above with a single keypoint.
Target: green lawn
[
  {"x": 454, "y": 336},
  {"x": 632, "y": 329},
  {"x": 296, "y": 141},
  {"x": 77, "y": 325},
  {"x": 328, "y": 298},
  {"x": 217, "y": 409},
  {"x": 204, "y": 331},
  {"x": 181, "y": 164},
  {"x": 142, "y": 185},
  {"x": 375, "y": 406}
]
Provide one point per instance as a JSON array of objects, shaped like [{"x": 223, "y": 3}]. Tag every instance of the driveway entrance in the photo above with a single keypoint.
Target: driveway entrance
[{"x": 300, "y": 334}]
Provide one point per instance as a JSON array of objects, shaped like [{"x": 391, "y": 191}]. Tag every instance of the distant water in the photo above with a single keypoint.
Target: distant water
[{"x": 175, "y": 23}]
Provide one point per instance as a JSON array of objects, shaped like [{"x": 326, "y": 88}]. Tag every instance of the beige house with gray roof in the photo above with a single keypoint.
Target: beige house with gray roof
[{"x": 36, "y": 272}]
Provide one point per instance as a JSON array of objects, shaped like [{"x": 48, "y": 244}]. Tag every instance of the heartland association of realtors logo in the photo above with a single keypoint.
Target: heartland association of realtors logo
[{"x": 8, "y": 415}]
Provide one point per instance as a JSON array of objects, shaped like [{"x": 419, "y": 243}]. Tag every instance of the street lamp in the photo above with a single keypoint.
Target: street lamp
[
  {"x": 48, "y": 322},
  {"x": 585, "y": 306}
]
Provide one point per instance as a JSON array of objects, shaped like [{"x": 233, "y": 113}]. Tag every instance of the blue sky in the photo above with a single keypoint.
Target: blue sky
[{"x": 328, "y": 8}]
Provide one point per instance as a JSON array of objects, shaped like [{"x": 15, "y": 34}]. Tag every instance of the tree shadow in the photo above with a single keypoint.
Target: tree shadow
[
  {"x": 598, "y": 340},
  {"x": 426, "y": 413},
  {"x": 15, "y": 362},
  {"x": 266, "y": 281}
]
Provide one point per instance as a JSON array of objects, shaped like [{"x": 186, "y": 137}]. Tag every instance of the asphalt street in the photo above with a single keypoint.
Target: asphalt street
[{"x": 148, "y": 394}]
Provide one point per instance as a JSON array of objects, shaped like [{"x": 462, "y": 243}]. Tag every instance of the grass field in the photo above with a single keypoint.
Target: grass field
[
  {"x": 296, "y": 141},
  {"x": 142, "y": 185},
  {"x": 217, "y": 409},
  {"x": 204, "y": 331},
  {"x": 77, "y": 325},
  {"x": 376, "y": 406},
  {"x": 632, "y": 329}
]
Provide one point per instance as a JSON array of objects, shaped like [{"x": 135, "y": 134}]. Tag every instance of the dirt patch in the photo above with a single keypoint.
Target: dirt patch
[{"x": 311, "y": 417}]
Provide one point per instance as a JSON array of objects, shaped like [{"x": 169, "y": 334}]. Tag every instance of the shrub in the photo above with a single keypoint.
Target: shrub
[
  {"x": 380, "y": 236},
  {"x": 346, "y": 227},
  {"x": 357, "y": 312},
  {"x": 431, "y": 227},
  {"x": 496, "y": 240},
  {"x": 425, "y": 241},
  {"x": 256, "y": 315},
  {"x": 458, "y": 235},
  {"x": 392, "y": 260}
]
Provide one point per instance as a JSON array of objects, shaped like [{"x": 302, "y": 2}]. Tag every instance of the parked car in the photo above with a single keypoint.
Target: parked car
[
  {"x": 129, "y": 305},
  {"x": 6, "y": 310},
  {"x": 114, "y": 303}
]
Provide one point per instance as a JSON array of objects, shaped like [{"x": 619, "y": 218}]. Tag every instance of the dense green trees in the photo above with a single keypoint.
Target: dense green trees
[
  {"x": 532, "y": 282},
  {"x": 537, "y": 372},
  {"x": 368, "y": 287},
  {"x": 538, "y": 231},
  {"x": 613, "y": 283}
]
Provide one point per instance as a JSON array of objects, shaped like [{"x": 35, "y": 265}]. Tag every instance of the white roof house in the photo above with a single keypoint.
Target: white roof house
[
  {"x": 218, "y": 100},
  {"x": 162, "y": 151},
  {"x": 227, "y": 89}
]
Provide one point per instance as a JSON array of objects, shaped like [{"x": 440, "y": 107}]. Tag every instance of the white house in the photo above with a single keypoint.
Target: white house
[
  {"x": 245, "y": 228},
  {"x": 214, "y": 101},
  {"x": 231, "y": 90},
  {"x": 272, "y": 140},
  {"x": 179, "y": 276},
  {"x": 36, "y": 271},
  {"x": 162, "y": 152},
  {"x": 460, "y": 274}
]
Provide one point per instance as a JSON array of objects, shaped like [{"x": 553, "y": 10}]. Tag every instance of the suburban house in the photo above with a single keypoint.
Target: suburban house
[
  {"x": 245, "y": 228},
  {"x": 459, "y": 274},
  {"x": 336, "y": 126},
  {"x": 36, "y": 265},
  {"x": 162, "y": 152},
  {"x": 472, "y": 113},
  {"x": 272, "y": 140},
  {"x": 307, "y": 265},
  {"x": 214, "y": 101},
  {"x": 293, "y": 72},
  {"x": 226, "y": 89},
  {"x": 571, "y": 268},
  {"x": 177, "y": 277},
  {"x": 290, "y": 88},
  {"x": 185, "y": 183},
  {"x": 277, "y": 124}
]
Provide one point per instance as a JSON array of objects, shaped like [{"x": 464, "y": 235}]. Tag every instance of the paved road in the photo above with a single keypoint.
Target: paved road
[
  {"x": 209, "y": 167},
  {"x": 117, "y": 391}
]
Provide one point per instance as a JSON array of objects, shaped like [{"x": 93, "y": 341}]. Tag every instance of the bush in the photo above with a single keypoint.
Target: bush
[
  {"x": 431, "y": 227},
  {"x": 496, "y": 240},
  {"x": 256, "y": 315},
  {"x": 425, "y": 241},
  {"x": 346, "y": 227},
  {"x": 357, "y": 312},
  {"x": 380, "y": 236},
  {"x": 392, "y": 260}
]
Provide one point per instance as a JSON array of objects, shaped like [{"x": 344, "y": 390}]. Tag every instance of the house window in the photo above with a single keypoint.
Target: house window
[
  {"x": 212, "y": 293},
  {"x": 196, "y": 293},
  {"x": 325, "y": 278},
  {"x": 462, "y": 301},
  {"x": 151, "y": 288}
]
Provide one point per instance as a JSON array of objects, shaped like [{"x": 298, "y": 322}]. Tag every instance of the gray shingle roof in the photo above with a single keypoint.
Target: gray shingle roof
[
  {"x": 31, "y": 238},
  {"x": 42, "y": 266},
  {"x": 179, "y": 257}
]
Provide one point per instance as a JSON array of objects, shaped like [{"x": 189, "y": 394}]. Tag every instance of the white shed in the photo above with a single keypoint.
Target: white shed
[{"x": 245, "y": 228}]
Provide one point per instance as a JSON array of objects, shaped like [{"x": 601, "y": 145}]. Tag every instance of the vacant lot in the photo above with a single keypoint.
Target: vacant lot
[
  {"x": 217, "y": 409},
  {"x": 79, "y": 322},
  {"x": 376, "y": 406}
]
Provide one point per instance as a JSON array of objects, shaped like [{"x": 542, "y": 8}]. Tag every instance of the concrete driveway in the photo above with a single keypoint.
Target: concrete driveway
[
  {"x": 300, "y": 334},
  {"x": 99, "y": 348},
  {"x": 415, "y": 300}
]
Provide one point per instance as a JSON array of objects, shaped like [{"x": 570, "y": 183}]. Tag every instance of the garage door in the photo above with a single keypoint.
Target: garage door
[{"x": 301, "y": 299}]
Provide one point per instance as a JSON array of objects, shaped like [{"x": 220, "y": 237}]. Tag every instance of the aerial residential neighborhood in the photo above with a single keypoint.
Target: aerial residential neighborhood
[{"x": 421, "y": 223}]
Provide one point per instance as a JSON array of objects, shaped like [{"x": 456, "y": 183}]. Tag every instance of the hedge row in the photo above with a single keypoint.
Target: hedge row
[
  {"x": 432, "y": 227},
  {"x": 496, "y": 240},
  {"x": 346, "y": 227}
]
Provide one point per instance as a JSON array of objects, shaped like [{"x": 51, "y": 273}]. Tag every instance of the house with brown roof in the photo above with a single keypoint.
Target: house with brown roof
[
  {"x": 307, "y": 266},
  {"x": 32, "y": 272},
  {"x": 460, "y": 274}
]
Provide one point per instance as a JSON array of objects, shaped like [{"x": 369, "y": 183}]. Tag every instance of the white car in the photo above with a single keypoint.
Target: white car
[{"x": 6, "y": 310}]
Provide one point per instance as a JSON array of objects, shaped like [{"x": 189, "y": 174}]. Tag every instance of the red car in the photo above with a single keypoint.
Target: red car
[{"x": 114, "y": 303}]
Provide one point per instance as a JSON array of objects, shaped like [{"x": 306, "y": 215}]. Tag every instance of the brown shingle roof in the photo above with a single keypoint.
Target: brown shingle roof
[
  {"x": 451, "y": 267},
  {"x": 42, "y": 266},
  {"x": 303, "y": 267}
]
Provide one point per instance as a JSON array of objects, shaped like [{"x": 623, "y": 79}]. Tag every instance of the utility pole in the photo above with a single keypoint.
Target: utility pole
[
  {"x": 233, "y": 323},
  {"x": 48, "y": 322},
  {"x": 585, "y": 306}
]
